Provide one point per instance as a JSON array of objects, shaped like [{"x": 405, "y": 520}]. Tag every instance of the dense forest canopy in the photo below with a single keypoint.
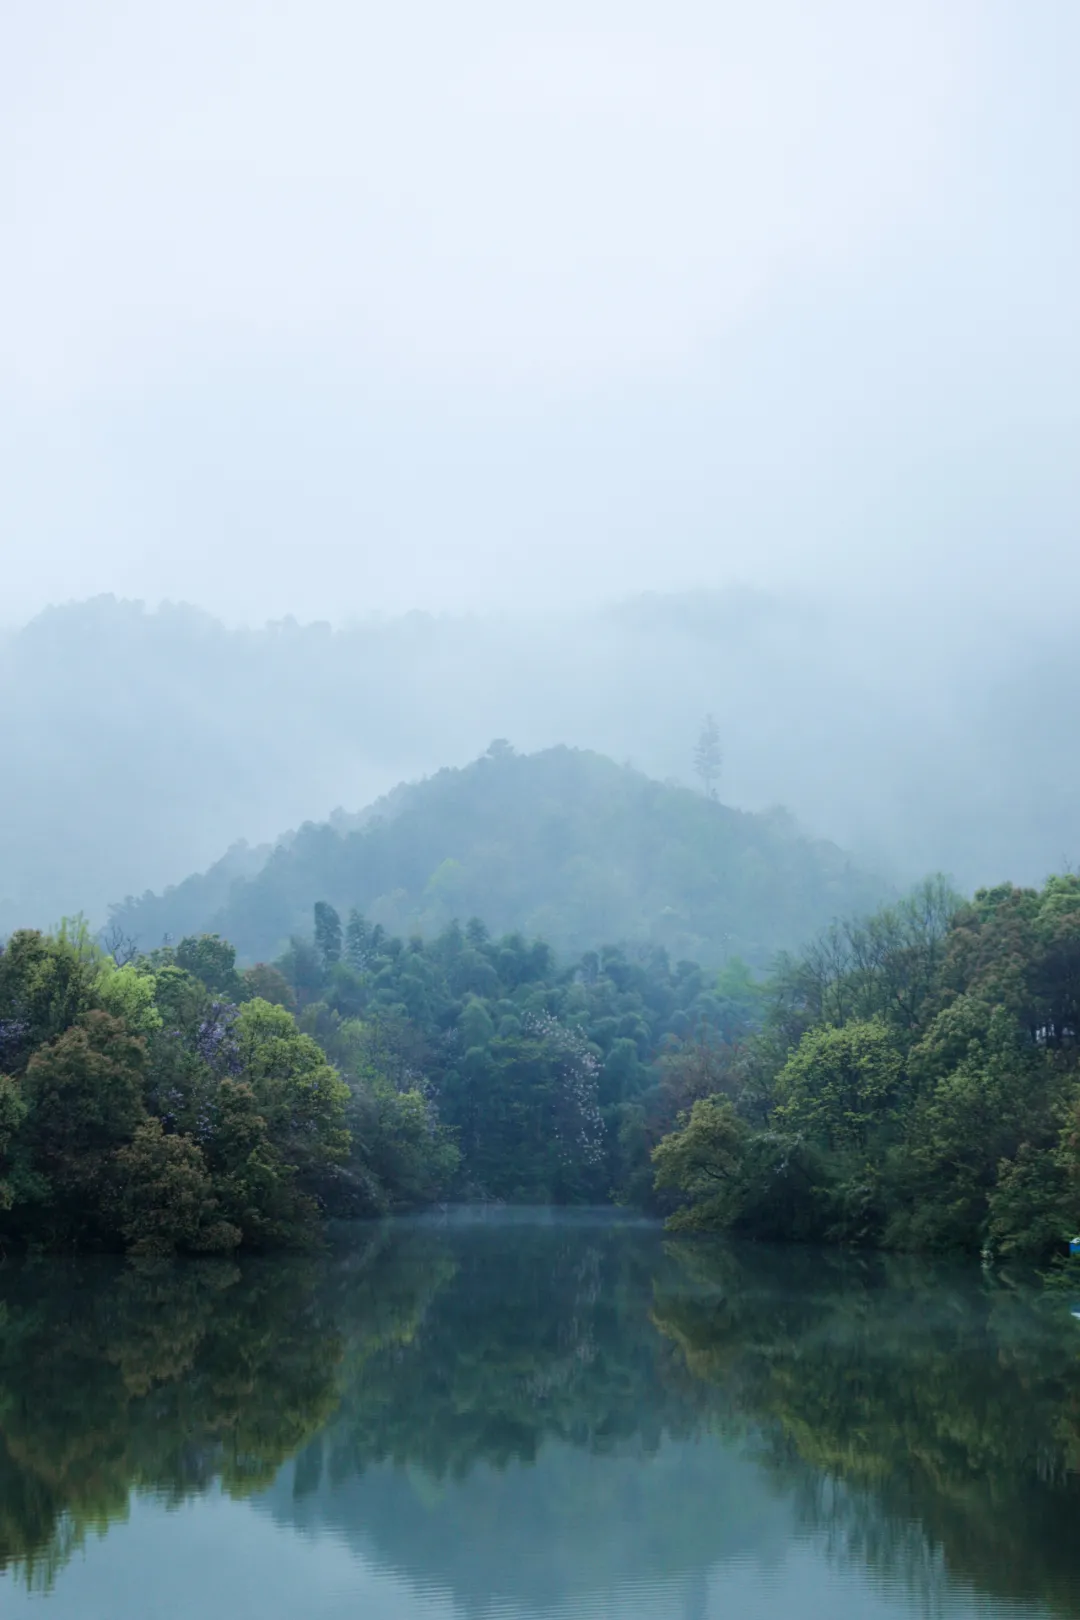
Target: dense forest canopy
[
  {"x": 146, "y": 742},
  {"x": 157, "y": 1105},
  {"x": 916, "y": 1085},
  {"x": 563, "y": 844},
  {"x": 170, "y": 1102},
  {"x": 911, "y": 1081}
]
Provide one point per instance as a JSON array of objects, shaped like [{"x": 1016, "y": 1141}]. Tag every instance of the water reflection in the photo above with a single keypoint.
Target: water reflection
[{"x": 543, "y": 1414}]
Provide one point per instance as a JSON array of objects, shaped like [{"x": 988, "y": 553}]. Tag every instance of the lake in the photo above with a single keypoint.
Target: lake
[{"x": 523, "y": 1413}]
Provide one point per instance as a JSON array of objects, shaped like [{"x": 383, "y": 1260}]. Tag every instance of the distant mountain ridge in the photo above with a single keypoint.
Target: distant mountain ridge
[
  {"x": 138, "y": 743},
  {"x": 564, "y": 844}
]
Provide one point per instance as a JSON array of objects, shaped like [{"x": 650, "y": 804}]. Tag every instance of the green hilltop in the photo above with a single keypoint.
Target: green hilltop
[{"x": 563, "y": 844}]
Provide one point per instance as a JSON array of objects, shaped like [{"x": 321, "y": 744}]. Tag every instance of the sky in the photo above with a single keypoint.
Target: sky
[{"x": 329, "y": 309}]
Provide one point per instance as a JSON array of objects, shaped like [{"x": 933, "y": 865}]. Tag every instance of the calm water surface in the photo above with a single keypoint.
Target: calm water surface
[{"x": 531, "y": 1415}]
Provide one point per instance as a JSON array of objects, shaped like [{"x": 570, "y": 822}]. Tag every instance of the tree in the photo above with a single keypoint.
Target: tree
[
  {"x": 130, "y": 995},
  {"x": 123, "y": 948},
  {"x": 302, "y": 966},
  {"x": 254, "y": 1184},
  {"x": 45, "y": 985},
  {"x": 703, "y": 1162},
  {"x": 693, "y": 1070},
  {"x": 269, "y": 984},
  {"x": 328, "y": 937},
  {"x": 166, "y": 1199},
  {"x": 839, "y": 1085},
  {"x": 362, "y": 941},
  {"x": 414, "y": 1157},
  {"x": 301, "y": 1096},
  {"x": 707, "y": 756},
  {"x": 85, "y": 1101},
  {"x": 966, "y": 1135},
  {"x": 212, "y": 960},
  {"x": 12, "y": 1114}
]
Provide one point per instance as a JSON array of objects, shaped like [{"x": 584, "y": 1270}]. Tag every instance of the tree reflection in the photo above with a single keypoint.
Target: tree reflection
[
  {"x": 892, "y": 1396},
  {"x": 528, "y": 1411},
  {"x": 172, "y": 1377}
]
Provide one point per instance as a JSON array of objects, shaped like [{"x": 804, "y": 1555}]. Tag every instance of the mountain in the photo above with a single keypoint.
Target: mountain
[
  {"x": 137, "y": 743},
  {"x": 563, "y": 843}
]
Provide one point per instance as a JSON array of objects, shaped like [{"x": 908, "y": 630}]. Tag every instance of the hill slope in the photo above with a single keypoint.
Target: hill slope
[
  {"x": 564, "y": 844},
  {"x": 136, "y": 744}
]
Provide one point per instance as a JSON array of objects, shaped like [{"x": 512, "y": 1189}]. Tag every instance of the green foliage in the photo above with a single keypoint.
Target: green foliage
[
  {"x": 563, "y": 844},
  {"x": 913, "y": 1081},
  {"x": 328, "y": 934},
  {"x": 1027, "y": 1206},
  {"x": 705, "y": 1160},
  {"x": 255, "y": 1185},
  {"x": 480, "y": 1067},
  {"x": 212, "y": 961},
  {"x": 45, "y": 985},
  {"x": 406, "y": 1147},
  {"x": 166, "y": 1199},
  {"x": 268, "y": 984},
  {"x": 300, "y": 1094},
  {"x": 12, "y": 1115},
  {"x": 140, "y": 1110},
  {"x": 84, "y": 1101},
  {"x": 926, "y": 1064},
  {"x": 129, "y": 993},
  {"x": 839, "y": 1086}
]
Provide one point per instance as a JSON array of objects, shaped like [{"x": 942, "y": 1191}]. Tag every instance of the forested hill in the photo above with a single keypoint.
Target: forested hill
[
  {"x": 563, "y": 844},
  {"x": 143, "y": 742}
]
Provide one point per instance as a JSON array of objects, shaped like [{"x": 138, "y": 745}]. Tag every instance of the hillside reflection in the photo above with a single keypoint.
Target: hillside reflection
[{"x": 532, "y": 1411}]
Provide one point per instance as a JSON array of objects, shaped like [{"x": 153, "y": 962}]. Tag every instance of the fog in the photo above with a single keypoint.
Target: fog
[
  {"x": 662, "y": 360},
  {"x": 144, "y": 744},
  {"x": 328, "y": 310}
]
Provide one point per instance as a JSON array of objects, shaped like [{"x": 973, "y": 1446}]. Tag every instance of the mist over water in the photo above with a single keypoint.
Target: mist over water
[{"x": 518, "y": 517}]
